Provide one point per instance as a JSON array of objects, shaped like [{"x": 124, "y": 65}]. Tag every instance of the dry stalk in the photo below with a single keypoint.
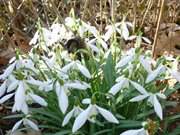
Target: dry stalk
[{"x": 157, "y": 29}]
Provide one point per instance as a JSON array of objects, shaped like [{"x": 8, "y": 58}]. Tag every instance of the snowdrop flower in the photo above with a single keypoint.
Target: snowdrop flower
[
  {"x": 121, "y": 28},
  {"x": 143, "y": 38},
  {"x": 122, "y": 82},
  {"x": 78, "y": 66},
  {"x": 91, "y": 111},
  {"x": 152, "y": 98},
  {"x": 175, "y": 74},
  {"x": 46, "y": 34},
  {"x": 16, "y": 64},
  {"x": 92, "y": 45},
  {"x": 151, "y": 76},
  {"x": 129, "y": 57},
  {"x": 43, "y": 85},
  {"x": 62, "y": 92},
  {"x": 73, "y": 113},
  {"x": 141, "y": 131},
  {"x": 37, "y": 99},
  {"x": 25, "y": 122},
  {"x": 95, "y": 33},
  {"x": 20, "y": 99}
]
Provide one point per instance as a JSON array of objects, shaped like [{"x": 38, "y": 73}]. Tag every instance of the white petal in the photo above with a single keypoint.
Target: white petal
[
  {"x": 83, "y": 70},
  {"x": 175, "y": 74},
  {"x": 155, "y": 73},
  {"x": 117, "y": 87},
  {"x": 146, "y": 40},
  {"x": 138, "y": 98},
  {"x": 20, "y": 96},
  {"x": 145, "y": 64},
  {"x": 16, "y": 126},
  {"x": 67, "y": 117},
  {"x": 5, "y": 98},
  {"x": 107, "y": 115},
  {"x": 157, "y": 107},
  {"x": 25, "y": 108},
  {"x": 13, "y": 85},
  {"x": 93, "y": 47},
  {"x": 78, "y": 85},
  {"x": 81, "y": 119},
  {"x": 139, "y": 88},
  {"x": 86, "y": 101},
  {"x": 63, "y": 100},
  {"x": 161, "y": 95},
  {"x": 67, "y": 67},
  {"x": 8, "y": 71},
  {"x": 103, "y": 43},
  {"x": 38, "y": 99},
  {"x": 135, "y": 132},
  {"x": 31, "y": 124},
  {"x": 108, "y": 34},
  {"x": 125, "y": 31},
  {"x": 3, "y": 88},
  {"x": 124, "y": 61},
  {"x": 132, "y": 37}
]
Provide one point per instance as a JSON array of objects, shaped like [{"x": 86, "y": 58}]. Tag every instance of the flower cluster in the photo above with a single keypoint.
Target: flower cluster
[{"x": 89, "y": 90}]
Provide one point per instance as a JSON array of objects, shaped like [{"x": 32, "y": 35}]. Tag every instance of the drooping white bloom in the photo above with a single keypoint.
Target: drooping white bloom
[
  {"x": 145, "y": 39},
  {"x": 76, "y": 65},
  {"x": 141, "y": 131},
  {"x": 25, "y": 122},
  {"x": 128, "y": 58},
  {"x": 73, "y": 113},
  {"x": 37, "y": 99},
  {"x": 151, "y": 76},
  {"x": 3, "y": 88},
  {"x": 96, "y": 34},
  {"x": 20, "y": 98},
  {"x": 43, "y": 85},
  {"x": 91, "y": 111},
  {"x": 146, "y": 63},
  {"x": 152, "y": 98},
  {"x": 122, "y": 82},
  {"x": 63, "y": 89},
  {"x": 175, "y": 74},
  {"x": 5, "y": 98},
  {"x": 8, "y": 71}
]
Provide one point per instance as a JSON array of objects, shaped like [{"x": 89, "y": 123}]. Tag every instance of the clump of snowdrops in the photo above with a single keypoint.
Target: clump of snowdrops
[{"x": 109, "y": 92}]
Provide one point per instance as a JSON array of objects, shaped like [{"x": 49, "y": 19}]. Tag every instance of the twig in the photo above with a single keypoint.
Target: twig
[{"x": 157, "y": 29}]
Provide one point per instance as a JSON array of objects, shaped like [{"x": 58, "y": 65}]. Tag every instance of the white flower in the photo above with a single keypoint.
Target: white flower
[
  {"x": 37, "y": 99},
  {"x": 91, "y": 111},
  {"x": 5, "y": 98},
  {"x": 43, "y": 85},
  {"x": 146, "y": 63},
  {"x": 122, "y": 83},
  {"x": 73, "y": 113},
  {"x": 62, "y": 91},
  {"x": 175, "y": 74},
  {"x": 96, "y": 34},
  {"x": 25, "y": 122},
  {"x": 77, "y": 65},
  {"x": 20, "y": 99},
  {"x": 143, "y": 38},
  {"x": 141, "y": 131},
  {"x": 128, "y": 58},
  {"x": 92, "y": 45},
  {"x": 152, "y": 98},
  {"x": 8, "y": 71},
  {"x": 152, "y": 75},
  {"x": 3, "y": 88}
]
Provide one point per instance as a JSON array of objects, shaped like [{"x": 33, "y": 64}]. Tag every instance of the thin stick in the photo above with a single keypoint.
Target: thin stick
[{"x": 157, "y": 29}]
